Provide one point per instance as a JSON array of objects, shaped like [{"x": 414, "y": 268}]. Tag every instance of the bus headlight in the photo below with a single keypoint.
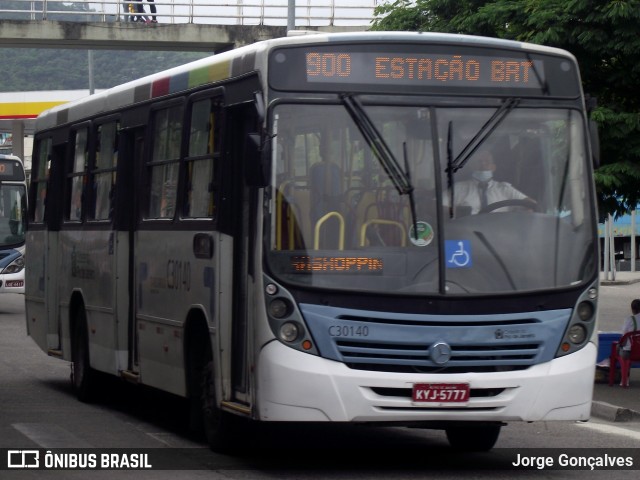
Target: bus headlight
[
  {"x": 279, "y": 308},
  {"x": 585, "y": 311},
  {"x": 577, "y": 334},
  {"x": 289, "y": 332},
  {"x": 582, "y": 324},
  {"x": 15, "y": 266},
  {"x": 285, "y": 319}
]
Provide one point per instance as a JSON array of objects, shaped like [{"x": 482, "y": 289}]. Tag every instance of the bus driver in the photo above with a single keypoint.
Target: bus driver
[{"x": 482, "y": 190}]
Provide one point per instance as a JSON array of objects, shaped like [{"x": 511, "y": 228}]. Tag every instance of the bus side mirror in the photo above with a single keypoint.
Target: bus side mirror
[{"x": 258, "y": 164}]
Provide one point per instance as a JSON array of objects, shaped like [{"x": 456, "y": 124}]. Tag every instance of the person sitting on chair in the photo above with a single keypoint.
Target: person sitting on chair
[{"x": 630, "y": 325}]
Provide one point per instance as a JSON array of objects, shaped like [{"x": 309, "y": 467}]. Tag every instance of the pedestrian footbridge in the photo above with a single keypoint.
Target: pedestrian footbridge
[
  {"x": 187, "y": 25},
  {"x": 184, "y": 25}
]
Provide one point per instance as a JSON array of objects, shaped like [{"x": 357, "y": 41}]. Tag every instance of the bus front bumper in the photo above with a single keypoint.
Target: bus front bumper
[
  {"x": 12, "y": 282},
  {"x": 294, "y": 386}
]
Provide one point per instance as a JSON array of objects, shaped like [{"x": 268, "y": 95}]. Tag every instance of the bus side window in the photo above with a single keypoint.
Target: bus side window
[
  {"x": 77, "y": 176},
  {"x": 202, "y": 159},
  {"x": 164, "y": 164},
  {"x": 40, "y": 178},
  {"x": 104, "y": 173}
]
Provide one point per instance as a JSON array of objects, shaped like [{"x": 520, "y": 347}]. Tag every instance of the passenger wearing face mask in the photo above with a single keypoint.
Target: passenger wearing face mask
[{"x": 482, "y": 190}]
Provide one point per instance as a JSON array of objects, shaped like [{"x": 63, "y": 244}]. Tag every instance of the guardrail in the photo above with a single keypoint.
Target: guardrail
[{"x": 220, "y": 12}]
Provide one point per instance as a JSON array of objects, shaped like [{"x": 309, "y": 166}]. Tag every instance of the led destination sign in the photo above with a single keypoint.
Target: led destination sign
[
  {"x": 9, "y": 170},
  {"x": 411, "y": 69},
  {"x": 402, "y": 68},
  {"x": 321, "y": 264}
]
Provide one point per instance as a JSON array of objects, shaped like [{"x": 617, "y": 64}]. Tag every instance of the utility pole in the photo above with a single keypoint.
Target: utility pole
[
  {"x": 90, "y": 67},
  {"x": 633, "y": 240},
  {"x": 605, "y": 250},
  {"x": 612, "y": 249},
  {"x": 291, "y": 15}
]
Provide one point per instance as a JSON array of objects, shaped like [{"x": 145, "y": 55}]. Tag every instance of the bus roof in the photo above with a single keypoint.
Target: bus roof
[
  {"x": 244, "y": 60},
  {"x": 9, "y": 157}
]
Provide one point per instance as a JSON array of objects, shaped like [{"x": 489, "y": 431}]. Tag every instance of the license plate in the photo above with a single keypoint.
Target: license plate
[
  {"x": 14, "y": 283},
  {"x": 441, "y": 392}
]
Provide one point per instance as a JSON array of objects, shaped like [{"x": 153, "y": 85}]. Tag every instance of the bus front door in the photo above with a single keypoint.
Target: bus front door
[{"x": 241, "y": 223}]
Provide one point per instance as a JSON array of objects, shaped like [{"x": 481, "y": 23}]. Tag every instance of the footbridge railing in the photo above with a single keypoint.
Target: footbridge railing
[{"x": 218, "y": 12}]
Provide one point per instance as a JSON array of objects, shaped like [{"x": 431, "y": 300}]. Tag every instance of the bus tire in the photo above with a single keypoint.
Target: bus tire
[
  {"x": 82, "y": 376},
  {"x": 471, "y": 438},
  {"x": 216, "y": 423}
]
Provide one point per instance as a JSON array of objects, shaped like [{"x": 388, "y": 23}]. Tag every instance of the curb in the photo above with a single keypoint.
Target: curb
[
  {"x": 613, "y": 413},
  {"x": 619, "y": 282}
]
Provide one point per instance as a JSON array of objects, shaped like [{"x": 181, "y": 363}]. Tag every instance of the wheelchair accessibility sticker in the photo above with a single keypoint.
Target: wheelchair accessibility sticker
[{"x": 457, "y": 253}]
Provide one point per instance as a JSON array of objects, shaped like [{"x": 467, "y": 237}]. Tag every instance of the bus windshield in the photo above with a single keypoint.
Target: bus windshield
[
  {"x": 12, "y": 215},
  {"x": 341, "y": 218}
]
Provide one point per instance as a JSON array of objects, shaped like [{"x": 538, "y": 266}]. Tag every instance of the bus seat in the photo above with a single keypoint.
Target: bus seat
[
  {"x": 382, "y": 219},
  {"x": 300, "y": 216},
  {"x": 390, "y": 223},
  {"x": 325, "y": 187},
  {"x": 292, "y": 202},
  {"x": 526, "y": 172},
  {"x": 326, "y": 196}
]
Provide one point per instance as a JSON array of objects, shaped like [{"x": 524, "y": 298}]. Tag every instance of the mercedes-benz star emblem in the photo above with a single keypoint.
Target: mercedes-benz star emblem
[{"x": 440, "y": 353}]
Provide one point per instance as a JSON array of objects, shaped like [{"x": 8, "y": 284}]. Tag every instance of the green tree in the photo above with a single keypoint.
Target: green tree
[
  {"x": 602, "y": 34},
  {"x": 26, "y": 69}
]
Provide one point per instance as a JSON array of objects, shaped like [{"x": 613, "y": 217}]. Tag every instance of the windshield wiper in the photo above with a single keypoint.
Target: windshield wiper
[
  {"x": 412, "y": 200},
  {"x": 377, "y": 144},
  {"x": 450, "y": 168},
  {"x": 485, "y": 131},
  {"x": 453, "y": 165},
  {"x": 401, "y": 178}
]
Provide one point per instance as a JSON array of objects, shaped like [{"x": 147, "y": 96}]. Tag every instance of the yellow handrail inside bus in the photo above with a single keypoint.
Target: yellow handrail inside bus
[
  {"x": 279, "y": 200},
  {"x": 316, "y": 238},
  {"x": 365, "y": 225},
  {"x": 291, "y": 225}
]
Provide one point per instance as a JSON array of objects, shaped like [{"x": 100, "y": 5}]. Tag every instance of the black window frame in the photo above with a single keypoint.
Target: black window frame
[
  {"x": 149, "y": 163},
  {"x": 40, "y": 177},
  {"x": 70, "y": 173},
  {"x": 94, "y": 170},
  {"x": 217, "y": 106}
]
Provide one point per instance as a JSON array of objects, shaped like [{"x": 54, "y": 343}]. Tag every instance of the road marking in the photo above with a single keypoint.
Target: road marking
[
  {"x": 48, "y": 435},
  {"x": 611, "y": 430}
]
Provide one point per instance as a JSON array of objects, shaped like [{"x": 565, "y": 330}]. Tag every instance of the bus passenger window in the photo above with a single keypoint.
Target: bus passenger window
[
  {"x": 77, "y": 175},
  {"x": 41, "y": 177},
  {"x": 104, "y": 174},
  {"x": 164, "y": 166},
  {"x": 164, "y": 181},
  {"x": 204, "y": 152}
]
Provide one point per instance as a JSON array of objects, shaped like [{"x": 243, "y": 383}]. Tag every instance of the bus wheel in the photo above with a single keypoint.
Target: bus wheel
[
  {"x": 216, "y": 422},
  {"x": 82, "y": 376},
  {"x": 471, "y": 438}
]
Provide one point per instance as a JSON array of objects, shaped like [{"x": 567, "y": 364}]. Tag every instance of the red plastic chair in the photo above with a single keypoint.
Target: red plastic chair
[{"x": 614, "y": 357}]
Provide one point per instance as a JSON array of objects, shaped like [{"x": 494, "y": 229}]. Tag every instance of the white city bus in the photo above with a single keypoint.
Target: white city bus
[
  {"x": 267, "y": 232},
  {"x": 13, "y": 222}
]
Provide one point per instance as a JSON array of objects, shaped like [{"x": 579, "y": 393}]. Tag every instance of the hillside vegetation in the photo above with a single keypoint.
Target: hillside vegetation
[{"x": 27, "y": 69}]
